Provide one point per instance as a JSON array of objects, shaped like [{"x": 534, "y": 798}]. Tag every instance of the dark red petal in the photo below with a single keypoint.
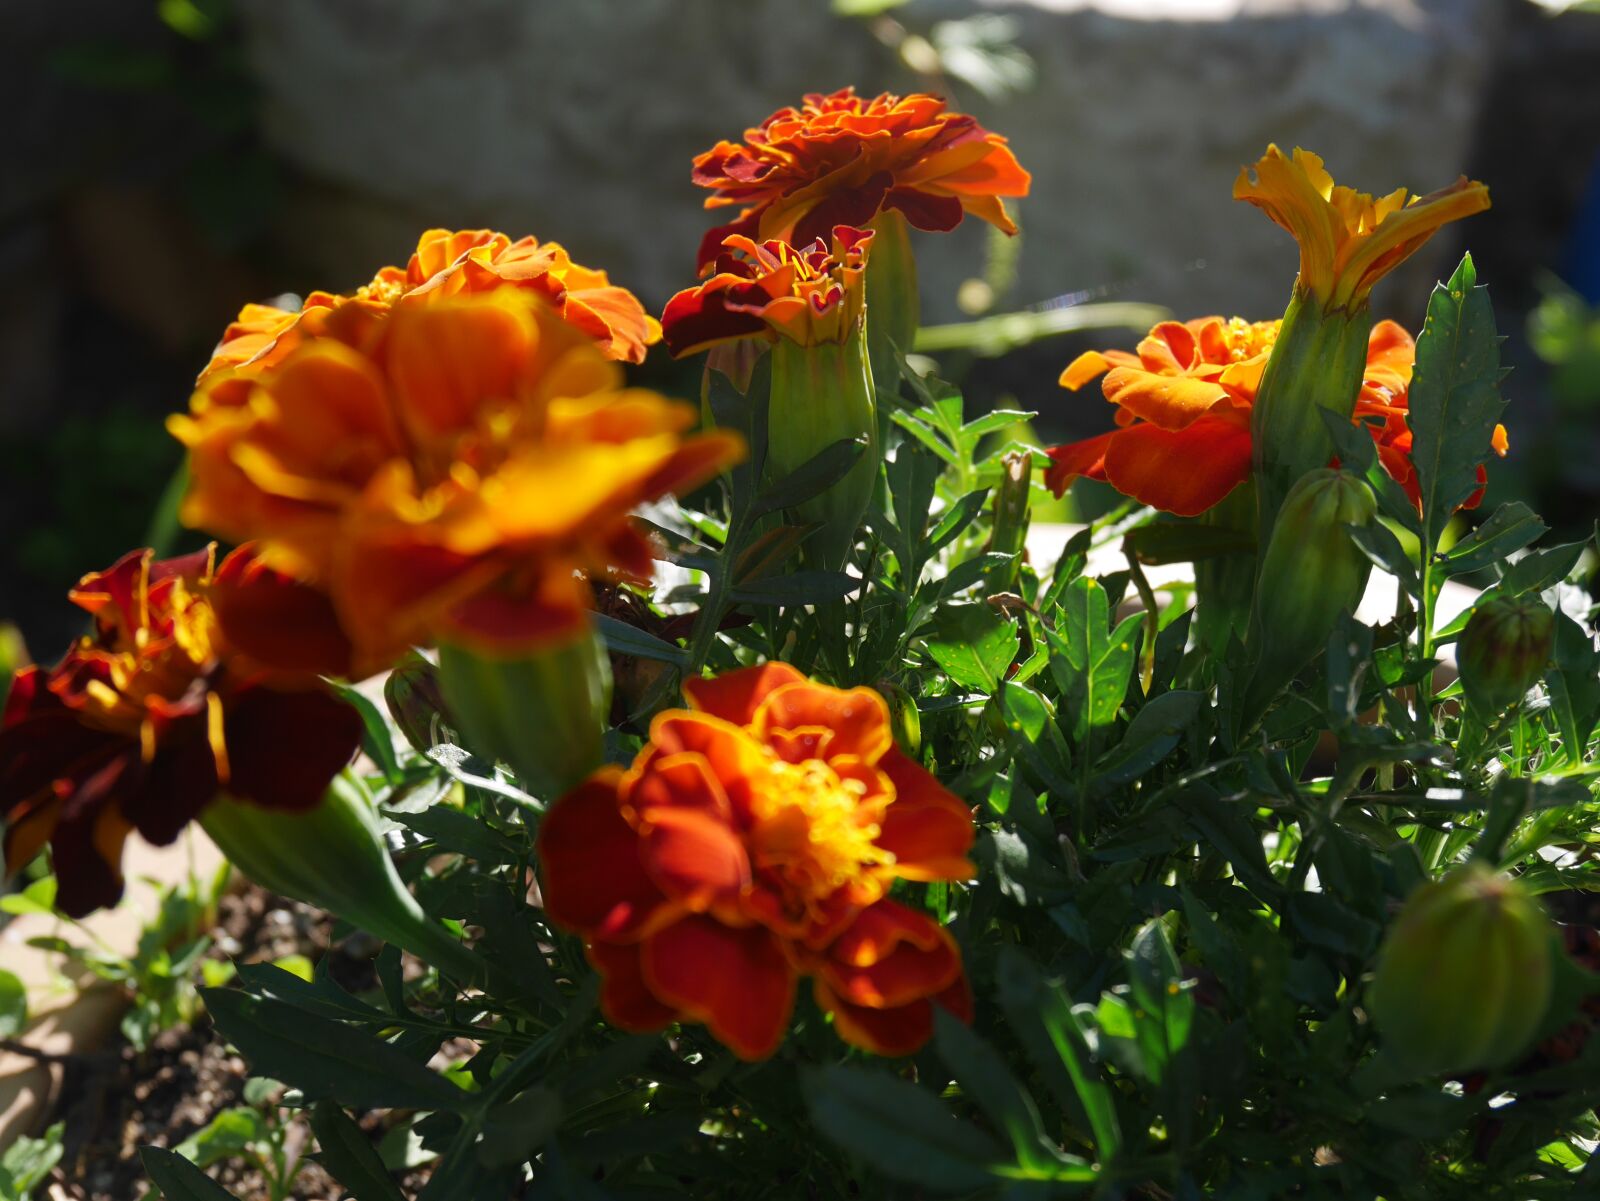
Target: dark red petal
[
  {"x": 86, "y": 848},
  {"x": 737, "y": 981},
  {"x": 277, "y": 620},
  {"x": 937, "y": 214},
  {"x": 855, "y": 206},
  {"x": 748, "y": 225},
  {"x": 591, "y": 874},
  {"x": 284, "y": 747},
  {"x": 625, "y": 999}
]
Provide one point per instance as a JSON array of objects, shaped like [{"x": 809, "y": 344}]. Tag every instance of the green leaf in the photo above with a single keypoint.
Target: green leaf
[
  {"x": 1455, "y": 396},
  {"x": 230, "y": 1133},
  {"x": 1378, "y": 542},
  {"x": 1035, "y": 1006},
  {"x": 350, "y": 1157},
  {"x": 1034, "y": 738},
  {"x": 377, "y": 739},
  {"x": 813, "y": 477},
  {"x": 797, "y": 588},
  {"x": 178, "y": 1179},
  {"x": 27, "y": 1161},
  {"x": 1540, "y": 569},
  {"x": 516, "y": 1130},
  {"x": 327, "y": 1059},
  {"x": 1150, "y": 737},
  {"x": 955, "y": 519},
  {"x": 1575, "y": 686},
  {"x": 902, "y": 1130},
  {"x": 975, "y": 645},
  {"x": 39, "y": 897},
  {"x": 1508, "y": 529},
  {"x": 1092, "y": 663},
  {"x": 13, "y": 1005},
  {"x": 1186, "y": 542},
  {"x": 985, "y": 1078},
  {"x": 624, "y": 639},
  {"x": 1166, "y": 1009}
]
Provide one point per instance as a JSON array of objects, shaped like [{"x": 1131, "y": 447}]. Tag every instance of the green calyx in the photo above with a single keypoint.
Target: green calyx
[
  {"x": 544, "y": 713},
  {"x": 332, "y": 856},
  {"x": 1317, "y": 363},
  {"x": 1503, "y": 651},
  {"x": 1464, "y": 977},
  {"x": 892, "y": 297},
  {"x": 821, "y": 395}
]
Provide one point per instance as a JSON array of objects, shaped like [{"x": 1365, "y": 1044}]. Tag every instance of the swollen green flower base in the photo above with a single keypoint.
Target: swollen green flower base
[
  {"x": 892, "y": 298},
  {"x": 544, "y": 714},
  {"x": 1317, "y": 363},
  {"x": 333, "y": 857},
  {"x": 821, "y": 395}
]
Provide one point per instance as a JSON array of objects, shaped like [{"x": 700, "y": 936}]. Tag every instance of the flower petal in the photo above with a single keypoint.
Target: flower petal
[
  {"x": 738, "y": 982},
  {"x": 592, "y": 877},
  {"x": 1086, "y": 459},
  {"x": 735, "y": 696},
  {"x": 1184, "y": 472},
  {"x": 927, "y": 828},
  {"x": 625, "y": 998}
]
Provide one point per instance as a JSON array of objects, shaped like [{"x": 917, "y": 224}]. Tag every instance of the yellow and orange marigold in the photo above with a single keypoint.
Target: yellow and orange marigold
[
  {"x": 1184, "y": 404},
  {"x": 1349, "y": 240},
  {"x": 753, "y": 842},
  {"x": 841, "y": 159},
  {"x": 444, "y": 470},
  {"x": 448, "y": 264},
  {"x": 161, "y": 707},
  {"x": 809, "y": 295}
]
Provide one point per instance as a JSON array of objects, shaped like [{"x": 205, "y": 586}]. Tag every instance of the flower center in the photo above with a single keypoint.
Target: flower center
[
  {"x": 1247, "y": 339},
  {"x": 814, "y": 831}
]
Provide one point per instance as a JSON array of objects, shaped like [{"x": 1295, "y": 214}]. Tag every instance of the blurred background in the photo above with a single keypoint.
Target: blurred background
[{"x": 168, "y": 160}]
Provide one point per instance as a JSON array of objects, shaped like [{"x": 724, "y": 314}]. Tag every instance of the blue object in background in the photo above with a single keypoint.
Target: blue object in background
[{"x": 1583, "y": 265}]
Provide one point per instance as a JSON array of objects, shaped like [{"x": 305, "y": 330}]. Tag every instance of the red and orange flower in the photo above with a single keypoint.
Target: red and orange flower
[
  {"x": 446, "y": 470},
  {"x": 160, "y": 708},
  {"x": 810, "y": 294},
  {"x": 448, "y": 264},
  {"x": 1184, "y": 404},
  {"x": 1349, "y": 240},
  {"x": 753, "y": 842},
  {"x": 841, "y": 159}
]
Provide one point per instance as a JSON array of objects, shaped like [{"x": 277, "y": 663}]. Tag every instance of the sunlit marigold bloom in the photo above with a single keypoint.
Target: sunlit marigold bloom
[
  {"x": 159, "y": 709},
  {"x": 841, "y": 159},
  {"x": 753, "y": 842},
  {"x": 448, "y": 264},
  {"x": 1184, "y": 403},
  {"x": 1349, "y": 240},
  {"x": 443, "y": 470},
  {"x": 809, "y": 295}
]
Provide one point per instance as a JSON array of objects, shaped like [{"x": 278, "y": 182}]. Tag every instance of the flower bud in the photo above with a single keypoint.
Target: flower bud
[
  {"x": 1464, "y": 976},
  {"x": 332, "y": 856},
  {"x": 892, "y": 297},
  {"x": 1503, "y": 651},
  {"x": 416, "y": 702},
  {"x": 544, "y": 714},
  {"x": 1311, "y": 575}
]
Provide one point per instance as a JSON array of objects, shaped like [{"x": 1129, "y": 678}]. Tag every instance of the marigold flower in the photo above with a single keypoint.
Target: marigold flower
[
  {"x": 158, "y": 709},
  {"x": 840, "y": 159},
  {"x": 448, "y": 264},
  {"x": 809, "y": 295},
  {"x": 753, "y": 842},
  {"x": 443, "y": 470},
  {"x": 1184, "y": 404},
  {"x": 1348, "y": 239}
]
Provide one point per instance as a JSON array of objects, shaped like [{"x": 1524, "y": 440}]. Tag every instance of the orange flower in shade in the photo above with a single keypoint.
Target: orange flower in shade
[
  {"x": 840, "y": 159},
  {"x": 1183, "y": 408},
  {"x": 769, "y": 290},
  {"x": 444, "y": 470},
  {"x": 753, "y": 842},
  {"x": 448, "y": 264},
  {"x": 157, "y": 710},
  {"x": 1349, "y": 240}
]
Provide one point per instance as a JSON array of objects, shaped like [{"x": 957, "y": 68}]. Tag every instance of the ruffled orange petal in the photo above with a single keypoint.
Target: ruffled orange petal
[
  {"x": 1086, "y": 458},
  {"x": 738, "y": 982},
  {"x": 593, "y": 880},
  {"x": 625, "y": 998},
  {"x": 817, "y": 722},
  {"x": 693, "y": 855},
  {"x": 927, "y": 828},
  {"x": 1186, "y": 471},
  {"x": 735, "y": 696},
  {"x": 1170, "y": 401}
]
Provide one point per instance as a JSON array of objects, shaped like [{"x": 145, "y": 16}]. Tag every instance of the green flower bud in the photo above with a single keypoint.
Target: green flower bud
[
  {"x": 1311, "y": 575},
  {"x": 415, "y": 700},
  {"x": 544, "y": 714},
  {"x": 822, "y": 394},
  {"x": 1503, "y": 652},
  {"x": 333, "y": 857},
  {"x": 1464, "y": 977},
  {"x": 905, "y": 719}
]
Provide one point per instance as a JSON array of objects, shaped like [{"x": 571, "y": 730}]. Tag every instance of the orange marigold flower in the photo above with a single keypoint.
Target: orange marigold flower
[
  {"x": 443, "y": 470},
  {"x": 157, "y": 710},
  {"x": 809, "y": 295},
  {"x": 1349, "y": 240},
  {"x": 841, "y": 159},
  {"x": 753, "y": 842},
  {"x": 448, "y": 264},
  {"x": 1184, "y": 403}
]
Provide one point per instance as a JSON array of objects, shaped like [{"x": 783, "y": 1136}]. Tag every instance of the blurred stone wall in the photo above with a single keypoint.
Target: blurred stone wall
[{"x": 576, "y": 120}]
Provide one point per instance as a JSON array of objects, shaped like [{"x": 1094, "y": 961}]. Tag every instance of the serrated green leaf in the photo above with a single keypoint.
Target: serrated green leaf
[
  {"x": 974, "y": 645},
  {"x": 1455, "y": 396},
  {"x": 1092, "y": 663},
  {"x": 1507, "y": 530}
]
